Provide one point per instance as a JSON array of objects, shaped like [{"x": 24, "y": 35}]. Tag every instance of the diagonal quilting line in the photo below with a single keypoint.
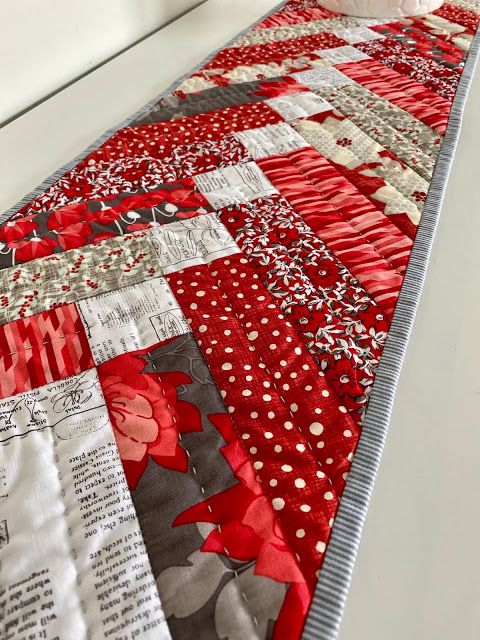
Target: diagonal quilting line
[
  {"x": 357, "y": 210},
  {"x": 387, "y": 165},
  {"x": 305, "y": 162},
  {"x": 377, "y": 129},
  {"x": 361, "y": 173},
  {"x": 417, "y": 107},
  {"x": 302, "y": 296},
  {"x": 338, "y": 234}
]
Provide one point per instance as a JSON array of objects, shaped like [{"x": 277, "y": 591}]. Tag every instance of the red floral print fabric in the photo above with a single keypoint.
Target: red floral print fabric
[{"x": 146, "y": 414}]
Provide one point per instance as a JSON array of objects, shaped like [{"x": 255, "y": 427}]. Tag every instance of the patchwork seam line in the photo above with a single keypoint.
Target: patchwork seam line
[
  {"x": 335, "y": 575},
  {"x": 151, "y": 360}
]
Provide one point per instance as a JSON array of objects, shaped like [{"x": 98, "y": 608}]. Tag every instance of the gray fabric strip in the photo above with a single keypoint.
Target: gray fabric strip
[
  {"x": 325, "y": 614},
  {"x": 172, "y": 107}
]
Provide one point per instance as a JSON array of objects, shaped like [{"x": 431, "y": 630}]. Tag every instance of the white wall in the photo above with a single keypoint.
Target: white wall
[{"x": 46, "y": 43}]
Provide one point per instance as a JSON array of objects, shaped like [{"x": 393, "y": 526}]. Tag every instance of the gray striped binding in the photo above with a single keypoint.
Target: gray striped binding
[{"x": 325, "y": 614}]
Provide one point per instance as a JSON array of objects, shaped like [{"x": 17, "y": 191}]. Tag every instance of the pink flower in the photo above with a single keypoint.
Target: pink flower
[{"x": 146, "y": 414}]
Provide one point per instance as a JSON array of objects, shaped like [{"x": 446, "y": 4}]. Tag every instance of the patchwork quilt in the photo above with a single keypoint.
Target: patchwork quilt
[{"x": 192, "y": 319}]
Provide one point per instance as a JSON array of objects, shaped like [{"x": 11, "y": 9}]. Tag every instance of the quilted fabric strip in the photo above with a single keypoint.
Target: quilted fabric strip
[{"x": 194, "y": 321}]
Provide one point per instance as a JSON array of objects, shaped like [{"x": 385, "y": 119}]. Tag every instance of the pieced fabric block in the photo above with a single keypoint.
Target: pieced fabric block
[{"x": 192, "y": 320}]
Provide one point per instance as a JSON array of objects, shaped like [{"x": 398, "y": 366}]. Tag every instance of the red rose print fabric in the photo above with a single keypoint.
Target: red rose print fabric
[
  {"x": 210, "y": 292},
  {"x": 146, "y": 415}
]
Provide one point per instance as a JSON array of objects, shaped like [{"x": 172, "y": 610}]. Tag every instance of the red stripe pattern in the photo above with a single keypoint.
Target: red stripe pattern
[{"x": 41, "y": 349}]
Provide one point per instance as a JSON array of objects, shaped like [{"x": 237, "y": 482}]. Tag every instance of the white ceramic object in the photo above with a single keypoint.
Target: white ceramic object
[{"x": 382, "y": 8}]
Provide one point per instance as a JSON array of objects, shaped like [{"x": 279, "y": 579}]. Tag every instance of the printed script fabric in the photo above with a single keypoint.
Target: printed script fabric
[{"x": 191, "y": 322}]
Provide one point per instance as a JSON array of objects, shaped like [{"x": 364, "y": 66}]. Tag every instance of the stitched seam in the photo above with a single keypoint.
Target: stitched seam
[
  {"x": 354, "y": 115},
  {"x": 250, "y": 245},
  {"x": 235, "y": 318},
  {"x": 314, "y": 138},
  {"x": 392, "y": 111},
  {"x": 37, "y": 346},
  {"x": 357, "y": 218},
  {"x": 322, "y": 197},
  {"x": 203, "y": 492}
]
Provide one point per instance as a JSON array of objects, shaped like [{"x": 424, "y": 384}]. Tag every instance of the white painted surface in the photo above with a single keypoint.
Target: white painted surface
[
  {"x": 46, "y": 44},
  {"x": 417, "y": 572}
]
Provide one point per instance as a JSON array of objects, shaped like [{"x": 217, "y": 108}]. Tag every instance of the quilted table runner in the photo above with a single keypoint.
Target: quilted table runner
[{"x": 202, "y": 322}]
